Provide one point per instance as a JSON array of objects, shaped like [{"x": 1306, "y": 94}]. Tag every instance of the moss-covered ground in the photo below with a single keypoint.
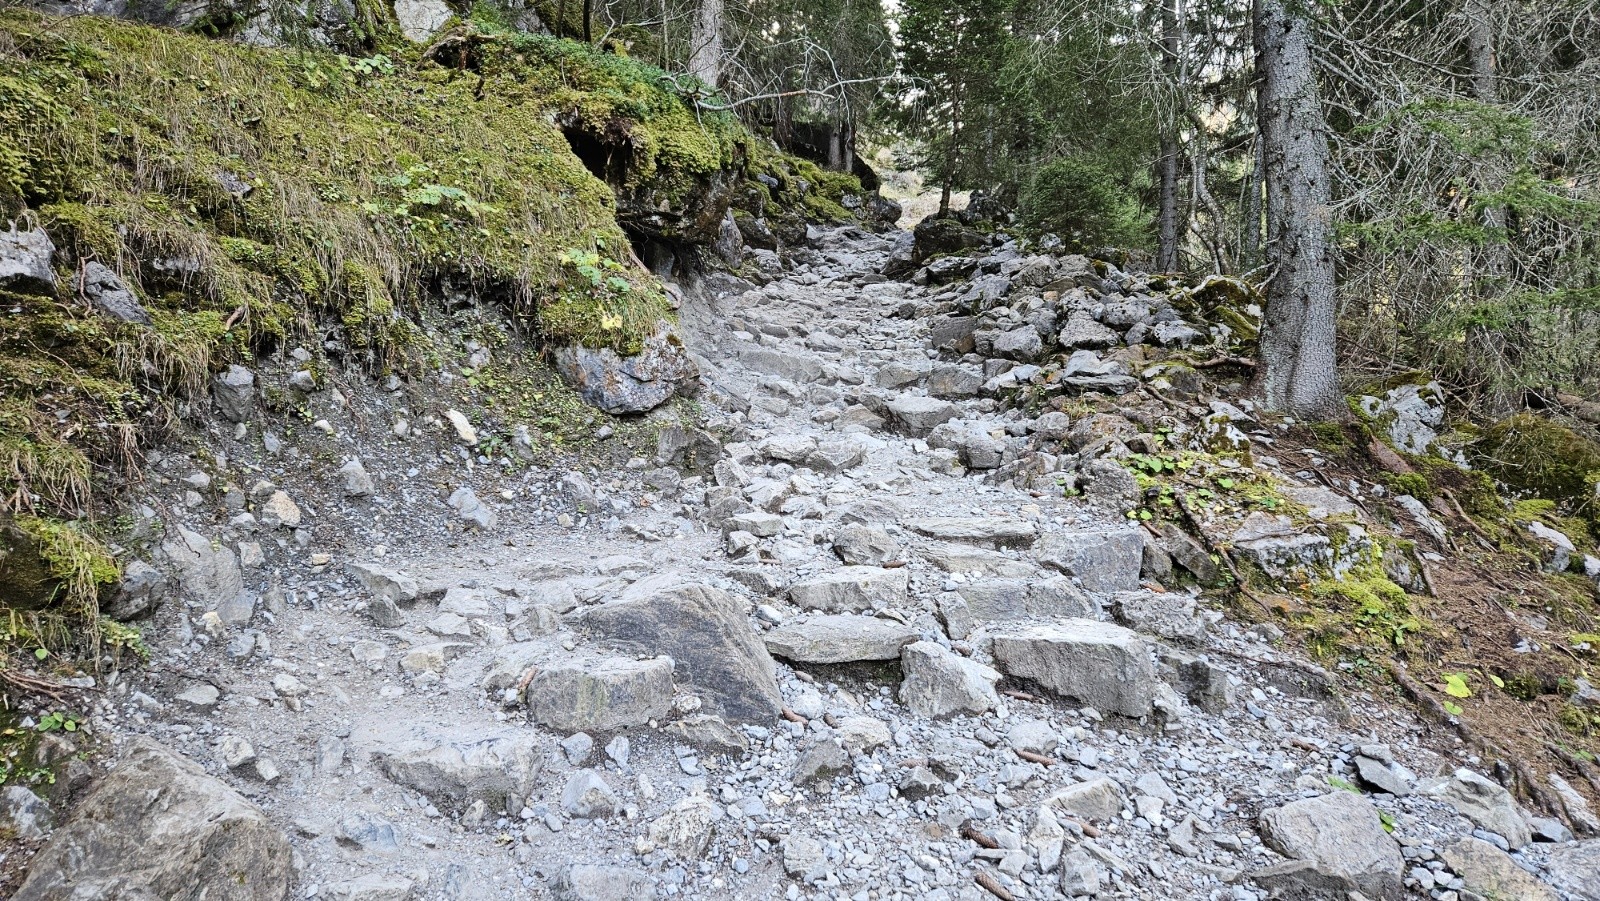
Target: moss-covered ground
[{"x": 256, "y": 198}]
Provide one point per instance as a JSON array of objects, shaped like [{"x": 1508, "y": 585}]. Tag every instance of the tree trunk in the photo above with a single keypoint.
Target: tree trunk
[
  {"x": 588, "y": 19},
  {"x": 561, "y": 19},
  {"x": 1299, "y": 372},
  {"x": 1167, "y": 218},
  {"x": 1488, "y": 348},
  {"x": 952, "y": 157},
  {"x": 705, "y": 42}
]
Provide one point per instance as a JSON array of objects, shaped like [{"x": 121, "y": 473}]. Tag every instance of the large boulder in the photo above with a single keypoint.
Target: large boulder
[
  {"x": 940, "y": 683},
  {"x": 453, "y": 771},
  {"x": 1491, "y": 873},
  {"x": 1341, "y": 836},
  {"x": 1487, "y": 804},
  {"x": 601, "y": 695},
  {"x": 158, "y": 827},
  {"x": 1104, "y": 666},
  {"x": 635, "y": 384},
  {"x": 1575, "y": 870},
  {"x": 917, "y": 415},
  {"x": 706, "y": 633},
  {"x": 935, "y": 237},
  {"x": 1103, "y": 560}
]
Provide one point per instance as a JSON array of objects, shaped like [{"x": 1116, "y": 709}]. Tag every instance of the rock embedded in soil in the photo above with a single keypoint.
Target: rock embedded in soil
[
  {"x": 635, "y": 384},
  {"x": 25, "y": 261},
  {"x": 1491, "y": 873},
  {"x": 601, "y": 694},
  {"x": 1485, "y": 803},
  {"x": 706, "y": 633},
  {"x": 1341, "y": 836},
  {"x": 454, "y": 770},
  {"x": 157, "y": 826},
  {"x": 596, "y": 882}
]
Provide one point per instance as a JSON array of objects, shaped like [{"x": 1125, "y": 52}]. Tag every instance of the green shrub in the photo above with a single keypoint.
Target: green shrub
[{"x": 1083, "y": 203}]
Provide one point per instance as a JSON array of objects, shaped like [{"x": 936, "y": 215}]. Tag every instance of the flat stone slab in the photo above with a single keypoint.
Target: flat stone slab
[
  {"x": 852, "y": 589},
  {"x": 976, "y": 530},
  {"x": 841, "y": 638}
]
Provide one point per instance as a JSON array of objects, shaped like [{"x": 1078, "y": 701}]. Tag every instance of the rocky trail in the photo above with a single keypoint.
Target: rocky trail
[{"x": 834, "y": 653}]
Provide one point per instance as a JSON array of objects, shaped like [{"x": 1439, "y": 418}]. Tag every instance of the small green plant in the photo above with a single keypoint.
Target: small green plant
[
  {"x": 367, "y": 67},
  {"x": 1455, "y": 685},
  {"x": 58, "y": 721},
  {"x": 1343, "y": 785}
]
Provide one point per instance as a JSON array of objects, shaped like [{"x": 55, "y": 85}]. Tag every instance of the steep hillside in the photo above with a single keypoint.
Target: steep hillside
[{"x": 210, "y": 203}]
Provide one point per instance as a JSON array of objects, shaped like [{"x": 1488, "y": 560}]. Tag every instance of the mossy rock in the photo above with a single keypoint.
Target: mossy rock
[
  {"x": 1534, "y": 454},
  {"x": 52, "y": 563},
  {"x": 26, "y": 581},
  {"x": 937, "y": 237}
]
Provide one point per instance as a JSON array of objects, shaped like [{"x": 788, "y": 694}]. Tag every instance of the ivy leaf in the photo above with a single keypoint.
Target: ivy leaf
[
  {"x": 1452, "y": 709},
  {"x": 1498, "y": 682},
  {"x": 1455, "y": 685}
]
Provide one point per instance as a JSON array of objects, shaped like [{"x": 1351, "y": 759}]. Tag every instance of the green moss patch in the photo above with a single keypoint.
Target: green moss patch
[{"x": 1541, "y": 457}]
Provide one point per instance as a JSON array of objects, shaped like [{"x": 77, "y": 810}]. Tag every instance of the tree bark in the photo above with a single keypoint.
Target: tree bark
[
  {"x": 588, "y": 20},
  {"x": 1299, "y": 372},
  {"x": 1488, "y": 348},
  {"x": 705, "y": 42},
  {"x": 1167, "y": 218}
]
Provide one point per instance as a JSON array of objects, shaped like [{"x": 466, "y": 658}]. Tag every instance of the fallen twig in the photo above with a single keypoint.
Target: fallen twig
[
  {"x": 33, "y": 684},
  {"x": 1225, "y": 360}
]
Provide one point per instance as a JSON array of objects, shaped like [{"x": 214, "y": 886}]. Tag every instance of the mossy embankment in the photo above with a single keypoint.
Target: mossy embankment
[{"x": 256, "y": 198}]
